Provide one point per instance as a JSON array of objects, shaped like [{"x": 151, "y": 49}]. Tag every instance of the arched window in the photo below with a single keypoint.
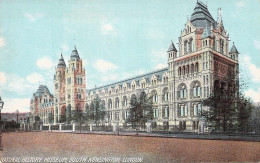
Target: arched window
[
  {"x": 196, "y": 89},
  {"x": 165, "y": 95},
  {"x": 197, "y": 67},
  {"x": 124, "y": 101},
  {"x": 133, "y": 96},
  {"x": 179, "y": 71},
  {"x": 185, "y": 46},
  {"x": 117, "y": 102},
  {"x": 182, "y": 91},
  {"x": 109, "y": 104},
  {"x": 155, "y": 96},
  {"x": 191, "y": 45}
]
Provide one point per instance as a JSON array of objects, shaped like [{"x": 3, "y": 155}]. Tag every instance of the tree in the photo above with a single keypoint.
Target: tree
[
  {"x": 62, "y": 118},
  {"x": 229, "y": 110},
  {"x": 244, "y": 112},
  {"x": 140, "y": 110},
  {"x": 79, "y": 117},
  {"x": 95, "y": 112}
]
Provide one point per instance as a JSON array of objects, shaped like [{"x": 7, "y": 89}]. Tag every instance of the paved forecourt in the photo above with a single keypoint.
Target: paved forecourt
[{"x": 146, "y": 149}]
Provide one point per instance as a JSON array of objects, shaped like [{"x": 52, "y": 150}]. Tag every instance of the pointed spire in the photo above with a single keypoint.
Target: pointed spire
[
  {"x": 61, "y": 61},
  {"x": 172, "y": 47},
  {"x": 219, "y": 16},
  {"x": 233, "y": 49}
]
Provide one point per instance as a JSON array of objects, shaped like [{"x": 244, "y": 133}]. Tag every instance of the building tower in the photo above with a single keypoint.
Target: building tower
[
  {"x": 75, "y": 83},
  {"x": 202, "y": 63},
  {"x": 59, "y": 91}
]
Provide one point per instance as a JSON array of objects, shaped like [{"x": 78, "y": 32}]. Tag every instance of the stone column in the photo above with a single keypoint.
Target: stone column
[
  {"x": 148, "y": 124},
  {"x": 49, "y": 127},
  {"x": 41, "y": 127},
  {"x": 61, "y": 126},
  {"x": 115, "y": 128},
  {"x": 74, "y": 127},
  {"x": 90, "y": 127}
]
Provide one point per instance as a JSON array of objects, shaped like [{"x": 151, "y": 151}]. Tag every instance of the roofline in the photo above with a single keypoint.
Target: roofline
[{"x": 131, "y": 78}]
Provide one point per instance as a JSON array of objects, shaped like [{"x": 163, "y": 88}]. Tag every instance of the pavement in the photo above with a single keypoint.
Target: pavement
[{"x": 254, "y": 138}]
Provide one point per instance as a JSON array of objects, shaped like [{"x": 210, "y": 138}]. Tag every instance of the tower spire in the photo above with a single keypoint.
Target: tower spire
[{"x": 219, "y": 16}]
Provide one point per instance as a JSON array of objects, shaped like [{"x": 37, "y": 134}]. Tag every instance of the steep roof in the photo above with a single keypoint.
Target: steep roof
[
  {"x": 172, "y": 48},
  {"x": 74, "y": 54},
  {"x": 40, "y": 91},
  {"x": 201, "y": 16},
  {"x": 61, "y": 62},
  {"x": 233, "y": 49}
]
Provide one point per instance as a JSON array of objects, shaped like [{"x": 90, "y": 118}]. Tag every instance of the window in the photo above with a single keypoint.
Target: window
[
  {"x": 126, "y": 114},
  {"x": 166, "y": 112},
  {"x": 117, "y": 102},
  {"x": 182, "y": 91},
  {"x": 182, "y": 110},
  {"x": 124, "y": 101},
  {"x": 155, "y": 113},
  {"x": 68, "y": 80},
  {"x": 196, "y": 89},
  {"x": 109, "y": 103},
  {"x": 165, "y": 95},
  {"x": 186, "y": 110}
]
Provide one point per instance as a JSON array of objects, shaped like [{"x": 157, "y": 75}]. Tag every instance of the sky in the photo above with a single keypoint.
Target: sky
[{"x": 116, "y": 39}]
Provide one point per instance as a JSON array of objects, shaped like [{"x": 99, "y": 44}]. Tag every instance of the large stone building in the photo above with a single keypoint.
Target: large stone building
[
  {"x": 202, "y": 61},
  {"x": 69, "y": 86},
  {"x": 41, "y": 105}
]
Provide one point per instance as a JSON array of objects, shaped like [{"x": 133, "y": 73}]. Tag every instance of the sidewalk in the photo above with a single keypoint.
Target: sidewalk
[{"x": 255, "y": 138}]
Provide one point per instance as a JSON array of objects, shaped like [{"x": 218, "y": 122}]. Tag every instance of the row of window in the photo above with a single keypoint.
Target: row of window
[
  {"x": 188, "y": 69},
  {"x": 183, "y": 110}
]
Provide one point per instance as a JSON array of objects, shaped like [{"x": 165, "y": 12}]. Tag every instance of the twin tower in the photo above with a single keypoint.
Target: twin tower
[{"x": 69, "y": 86}]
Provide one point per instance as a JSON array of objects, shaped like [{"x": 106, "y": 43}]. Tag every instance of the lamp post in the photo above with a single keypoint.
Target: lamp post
[{"x": 1, "y": 107}]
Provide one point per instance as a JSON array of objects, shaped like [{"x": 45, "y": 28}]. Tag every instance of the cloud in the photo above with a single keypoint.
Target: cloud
[
  {"x": 13, "y": 83},
  {"x": 33, "y": 17},
  {"x": 240, "y": 4},
  {"x": 253, "y": 70},
  {"x": 2, "y": 42},
  {"x": 104, "y": 66},
  {"x": 45, "y": 63},
  {"x": 13, "y": 104},
  {"x": 108, "y": 29},
  {"x": 257, "y": 44},
  {"x": 160, "y": 66},
  {"x": 2, "y": 78},
  {"x": 34, "y": 78},
  {"x": 254, "y": 95}
]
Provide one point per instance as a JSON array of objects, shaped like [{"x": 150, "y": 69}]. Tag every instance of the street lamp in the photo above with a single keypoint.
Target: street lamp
[
  {"x": 1, "y": 107},
  {"x": 17, "y": 112}
]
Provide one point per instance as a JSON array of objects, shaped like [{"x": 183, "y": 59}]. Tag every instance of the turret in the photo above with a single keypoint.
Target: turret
[
  {"x": 172, "y": 51},
  {"x": 234, "y": 53}
]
